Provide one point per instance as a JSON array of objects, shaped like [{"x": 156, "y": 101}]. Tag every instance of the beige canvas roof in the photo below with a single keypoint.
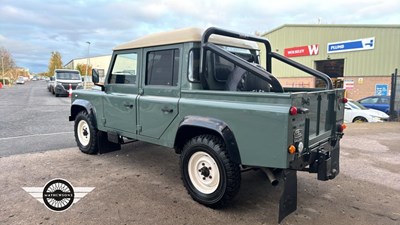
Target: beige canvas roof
[{"x": 182, "y": 36}]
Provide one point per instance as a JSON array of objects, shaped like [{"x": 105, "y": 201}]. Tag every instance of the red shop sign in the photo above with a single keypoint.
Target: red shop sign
[{"x": 302, "y": 51}]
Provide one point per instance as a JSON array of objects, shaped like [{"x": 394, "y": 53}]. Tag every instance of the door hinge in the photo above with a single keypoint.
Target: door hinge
[{"x": 138, "y": 129}]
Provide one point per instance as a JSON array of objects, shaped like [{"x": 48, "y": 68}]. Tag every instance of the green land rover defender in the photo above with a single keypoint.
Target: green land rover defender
[{"x": 205, "y": 94}]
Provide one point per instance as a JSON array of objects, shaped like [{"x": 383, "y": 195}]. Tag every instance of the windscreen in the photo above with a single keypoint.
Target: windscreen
[{"x": 68, "y": 75}]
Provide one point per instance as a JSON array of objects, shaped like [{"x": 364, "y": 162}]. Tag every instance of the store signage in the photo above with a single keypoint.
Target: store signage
[
  {"x": 348, "y": 84},
  {"x": 352, "y": 45},
  {"x": 302, "y": 51},
  {"x": 381, "y": 89}
]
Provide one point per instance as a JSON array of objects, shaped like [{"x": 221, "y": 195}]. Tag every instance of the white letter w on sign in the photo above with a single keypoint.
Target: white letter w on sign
[{"x": 313, "y": 49}]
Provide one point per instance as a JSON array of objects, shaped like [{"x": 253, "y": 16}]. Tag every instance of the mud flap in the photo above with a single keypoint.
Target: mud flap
[
  {"x": 288, "y": 200},
  {"x": 105, "y": 145}
]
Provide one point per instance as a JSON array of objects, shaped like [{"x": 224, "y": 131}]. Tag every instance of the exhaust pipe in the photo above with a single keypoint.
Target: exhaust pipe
[{"x": 271, "y": 176}]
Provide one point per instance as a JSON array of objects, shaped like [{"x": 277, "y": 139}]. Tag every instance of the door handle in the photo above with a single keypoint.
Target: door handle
[
  {"x": 128, "y": 105},
  {"x": 167, "y": 110}
]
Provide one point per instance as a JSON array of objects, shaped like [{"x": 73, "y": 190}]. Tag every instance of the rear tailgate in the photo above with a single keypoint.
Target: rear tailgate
[
  {"x": 316, "y": 127},
  {"x": 325, "y": 113}
]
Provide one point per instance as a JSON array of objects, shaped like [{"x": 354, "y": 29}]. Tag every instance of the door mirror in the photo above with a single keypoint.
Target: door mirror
[
  {"x": 96, "y": 79},
  {"x": 95, "y": 76},
  {"x": 51, "y": 78}
]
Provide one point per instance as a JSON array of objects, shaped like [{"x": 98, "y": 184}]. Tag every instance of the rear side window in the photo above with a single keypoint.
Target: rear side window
[{"x": 163, "y": 67}]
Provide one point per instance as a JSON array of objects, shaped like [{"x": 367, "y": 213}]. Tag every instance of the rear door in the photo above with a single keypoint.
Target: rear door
[
  {"x": 121, "y": 90},
  {"x": 160, "y": 92}
]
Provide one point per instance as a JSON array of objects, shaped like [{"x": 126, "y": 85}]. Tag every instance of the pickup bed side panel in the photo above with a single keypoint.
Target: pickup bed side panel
[{"x": 260, "y": 128}]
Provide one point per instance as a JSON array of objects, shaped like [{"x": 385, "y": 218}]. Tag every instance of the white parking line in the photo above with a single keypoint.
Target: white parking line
[{"x": 35, "y": 135}]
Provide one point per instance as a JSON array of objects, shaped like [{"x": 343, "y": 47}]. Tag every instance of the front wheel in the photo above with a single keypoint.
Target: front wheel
[
  {"x": 86, "y": 133},
  {"x": 208, "y": 173}
]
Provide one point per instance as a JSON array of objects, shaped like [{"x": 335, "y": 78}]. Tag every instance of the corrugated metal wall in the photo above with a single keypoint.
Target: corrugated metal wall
[{"x": 381, "y": 61}]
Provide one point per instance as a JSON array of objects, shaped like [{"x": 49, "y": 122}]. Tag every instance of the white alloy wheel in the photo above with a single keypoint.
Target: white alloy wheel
[
  {"x": 83, "y": 132},
  {"x": 203, "y": 172}
]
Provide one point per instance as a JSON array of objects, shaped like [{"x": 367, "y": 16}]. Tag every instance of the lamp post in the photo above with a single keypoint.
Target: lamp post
[
  {"x": 2, "y": 69},
  {"x": 87, "y": 63}
]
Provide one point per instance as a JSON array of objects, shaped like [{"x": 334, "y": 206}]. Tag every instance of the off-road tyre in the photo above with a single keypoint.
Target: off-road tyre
[
  {"x": 86, "y": 133},
  {"x": 206, "y": 156}
]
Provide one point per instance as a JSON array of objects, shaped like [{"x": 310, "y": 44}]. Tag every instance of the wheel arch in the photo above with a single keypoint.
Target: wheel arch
[
  {"x": 363, "y": 118},
  {"x": 192, "y": 126},
  {"x": 82, "y": 105}
]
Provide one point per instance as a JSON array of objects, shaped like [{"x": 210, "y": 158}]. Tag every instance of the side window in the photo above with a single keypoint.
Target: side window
[
  {"x": 370, "y": 101},
  {"x": 384, "y": 100},
  {"x": 162, "y": 67},
  {"x": 125, "y": 69}
]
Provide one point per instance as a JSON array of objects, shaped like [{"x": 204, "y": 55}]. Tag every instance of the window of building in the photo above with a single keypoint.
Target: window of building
[{"x": 162, "y": 67}]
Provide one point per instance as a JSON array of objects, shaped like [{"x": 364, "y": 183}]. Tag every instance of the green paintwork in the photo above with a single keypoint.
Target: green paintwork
[{"x": 260, "y": 122}]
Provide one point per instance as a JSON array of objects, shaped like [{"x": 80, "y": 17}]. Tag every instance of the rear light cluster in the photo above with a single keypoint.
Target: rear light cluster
[
  {"x": 298, "y": 147},
  {"x": 341, "y": 128},
  {"x": 344, "y": 100},
  {"x": 293, "y": 110}
]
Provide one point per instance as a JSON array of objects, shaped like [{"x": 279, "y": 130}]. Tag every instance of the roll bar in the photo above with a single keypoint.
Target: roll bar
[{"x": 205, "y": 45}]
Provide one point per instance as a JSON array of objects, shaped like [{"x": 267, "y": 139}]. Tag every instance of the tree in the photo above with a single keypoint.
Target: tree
[
  {"x": 82, "y": 69},
  {"x": 7, "y": 63},
  {"x": 54, "y": 63},
  {"x": 43, "y": 74}
]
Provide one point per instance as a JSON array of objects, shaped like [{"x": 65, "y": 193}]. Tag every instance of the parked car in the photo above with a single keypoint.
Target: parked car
[
  {"x": 204, "y": 94},
  {"x": 63, "y": 79},
  {"x": 381, "y": 103},
  {"x": 20, "y": 80},
  {"x": 50, "y": 81},
  {"x": 355, "y": 112}
]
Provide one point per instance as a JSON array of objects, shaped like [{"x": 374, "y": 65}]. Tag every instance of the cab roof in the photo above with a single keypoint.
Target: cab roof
[{"x": 191, "y": 34}]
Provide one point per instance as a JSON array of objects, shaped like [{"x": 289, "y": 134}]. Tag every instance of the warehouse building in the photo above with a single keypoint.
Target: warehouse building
[
  {"x": 101, "y": 63},
  {"x": 359, "y": 58}
]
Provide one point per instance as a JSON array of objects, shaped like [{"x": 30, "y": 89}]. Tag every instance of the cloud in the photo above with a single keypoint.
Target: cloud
[{"x": 31, "y": 30}]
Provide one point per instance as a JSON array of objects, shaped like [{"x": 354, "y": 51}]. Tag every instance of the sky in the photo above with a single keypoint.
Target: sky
[{"x": 31, "y": 30}]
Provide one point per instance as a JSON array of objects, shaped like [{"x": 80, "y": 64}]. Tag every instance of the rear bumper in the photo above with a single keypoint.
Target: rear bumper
[{"x": 322, "y": 159}]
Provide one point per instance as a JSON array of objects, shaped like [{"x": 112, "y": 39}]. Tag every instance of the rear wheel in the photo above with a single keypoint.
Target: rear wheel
[
  {"x": 208, "y": 173},
  {"x": 86, "y": 133},
  {"x": 360, "y": 119}
]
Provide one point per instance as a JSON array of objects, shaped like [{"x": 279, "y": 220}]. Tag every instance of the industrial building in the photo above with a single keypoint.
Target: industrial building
[
  {"x": 359, "y": 58},
  {"x": 101, "y": 63}
]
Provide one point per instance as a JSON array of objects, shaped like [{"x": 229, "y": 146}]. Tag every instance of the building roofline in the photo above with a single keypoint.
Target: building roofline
[
  {"x": 334, "y": 25},
  {"x": 90, "y": 57},
  {"x": 86, "y": 58}
]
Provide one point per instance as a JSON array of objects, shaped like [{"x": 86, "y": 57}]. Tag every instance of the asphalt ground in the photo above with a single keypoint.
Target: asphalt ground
[
  {"x": 33, "y": 120},
  {"x": 141, "y": 184}
]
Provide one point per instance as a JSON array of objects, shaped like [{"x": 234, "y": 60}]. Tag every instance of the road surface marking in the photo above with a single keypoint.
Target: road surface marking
[{"x": 35, "y": 135}]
